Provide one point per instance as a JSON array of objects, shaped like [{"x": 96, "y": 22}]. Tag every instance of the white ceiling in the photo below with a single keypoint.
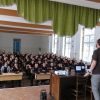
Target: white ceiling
[{"x": 84, "y": 3}]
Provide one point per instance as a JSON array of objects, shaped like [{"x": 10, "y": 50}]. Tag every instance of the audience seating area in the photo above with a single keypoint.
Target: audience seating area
[{"x": 32, "y": 65}]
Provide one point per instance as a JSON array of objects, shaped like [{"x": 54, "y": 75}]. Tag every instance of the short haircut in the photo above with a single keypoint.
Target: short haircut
[{"x": 98, "y": 41}]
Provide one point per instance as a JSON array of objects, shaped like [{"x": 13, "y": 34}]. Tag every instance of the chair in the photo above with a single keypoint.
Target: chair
[{"x": 79, "y": 92}]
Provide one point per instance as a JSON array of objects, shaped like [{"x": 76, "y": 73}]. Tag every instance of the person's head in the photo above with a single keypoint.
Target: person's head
[
  {"x": 15, "y": 60},
  {"x": 36, "y": 65},
  {"x": 98, "y": 43},
  {"x": 46, "y": 62},
  {"x": 5, "y": 64},
  {"x": 0, "y": 57},
  {"x": 16, "y": 65},
  {"x": 5, "y": 58},
  {"x": 12, "y": 56},
  {"x": 39, "y": 61},
  {"x": 44, "y": 65},
  {"x": 60, "y": 64},
  {"x": 32, "y": 62},
  {"x": 52, "y": 64},
  {"x": 8, "y": 62},
  {"x": 80, "y": 61}
]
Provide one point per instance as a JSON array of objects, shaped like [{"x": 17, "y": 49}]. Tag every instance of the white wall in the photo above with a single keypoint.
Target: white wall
[
  {"x": 43, "y": 43},
  {"x": 29, "y": 42}
]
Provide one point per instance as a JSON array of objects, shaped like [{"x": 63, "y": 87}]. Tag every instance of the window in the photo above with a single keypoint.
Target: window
[
  {"x": 61, "y": 47},
  {"x": 88, "y": 44},
  {"x": 54, "y": 43},
  {"x": 66, "y": 46}
]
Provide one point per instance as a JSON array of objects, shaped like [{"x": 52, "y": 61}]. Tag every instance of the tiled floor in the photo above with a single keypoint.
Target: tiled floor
[{"x": 22, "y": 93}]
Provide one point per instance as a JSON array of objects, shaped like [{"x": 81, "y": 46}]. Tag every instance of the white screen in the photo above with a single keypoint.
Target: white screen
[{"x": 78, "y": 68}]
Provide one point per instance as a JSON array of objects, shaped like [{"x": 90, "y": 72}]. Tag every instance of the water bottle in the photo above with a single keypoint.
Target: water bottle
[{"x": 43, "y": 94}]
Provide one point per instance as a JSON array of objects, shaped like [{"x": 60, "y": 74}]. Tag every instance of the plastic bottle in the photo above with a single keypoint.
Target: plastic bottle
[{"x": 43, "y": 94}]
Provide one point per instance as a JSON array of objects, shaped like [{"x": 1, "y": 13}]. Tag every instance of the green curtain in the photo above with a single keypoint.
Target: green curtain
[
  {"x": 65, "y": 17},
  {"x": 34, "y": 10}
]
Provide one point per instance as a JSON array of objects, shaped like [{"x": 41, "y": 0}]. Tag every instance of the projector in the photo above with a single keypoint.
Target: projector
[{"x": 61, "y": 72}]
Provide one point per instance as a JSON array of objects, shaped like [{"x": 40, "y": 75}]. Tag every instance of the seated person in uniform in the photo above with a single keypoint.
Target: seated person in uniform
[
  {"x": 28, "y": 70},
  {"x": 15, "y": 68},
  {"x": 5, "y": 68},
  {"x": 44, "y": 68},
  {"x": 34, "y": 70},
  {"x": 60, "y": 67},
  {"x": 81, "y": 63},
  {"x": 51, "y": 66}
]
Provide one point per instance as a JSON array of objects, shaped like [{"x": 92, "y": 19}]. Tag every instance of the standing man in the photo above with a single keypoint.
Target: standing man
[{"x": 95, "y": 70}]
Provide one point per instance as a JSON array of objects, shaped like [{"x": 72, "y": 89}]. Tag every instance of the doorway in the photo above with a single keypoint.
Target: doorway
[{"x": 16, "y": 46}]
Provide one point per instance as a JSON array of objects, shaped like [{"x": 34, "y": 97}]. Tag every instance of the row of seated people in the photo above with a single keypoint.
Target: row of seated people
[
  {"x": 7, "y": 69},
  {"x": 10, "y": 63},
  {"x": 24, "y": 59}
]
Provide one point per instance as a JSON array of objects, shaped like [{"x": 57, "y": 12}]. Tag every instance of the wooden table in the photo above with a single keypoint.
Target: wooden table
[
  {"x": 13, "y": 77},
  {"x": 42, "y": 76},
  {"x": 10, "y": 76}
]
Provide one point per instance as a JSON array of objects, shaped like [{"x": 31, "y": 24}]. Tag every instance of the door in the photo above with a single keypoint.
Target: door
[{"x": 16, "y": 46}]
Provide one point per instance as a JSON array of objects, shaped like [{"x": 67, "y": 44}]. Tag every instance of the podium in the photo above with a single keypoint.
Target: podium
[{"x": 61, "y": 87}]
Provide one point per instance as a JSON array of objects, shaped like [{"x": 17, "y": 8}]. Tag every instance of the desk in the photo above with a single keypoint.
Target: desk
[
  {"x": 10, "y": 76},
  {"x": 60, "y": 86},
  {"x": 42, "y": 76}
]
